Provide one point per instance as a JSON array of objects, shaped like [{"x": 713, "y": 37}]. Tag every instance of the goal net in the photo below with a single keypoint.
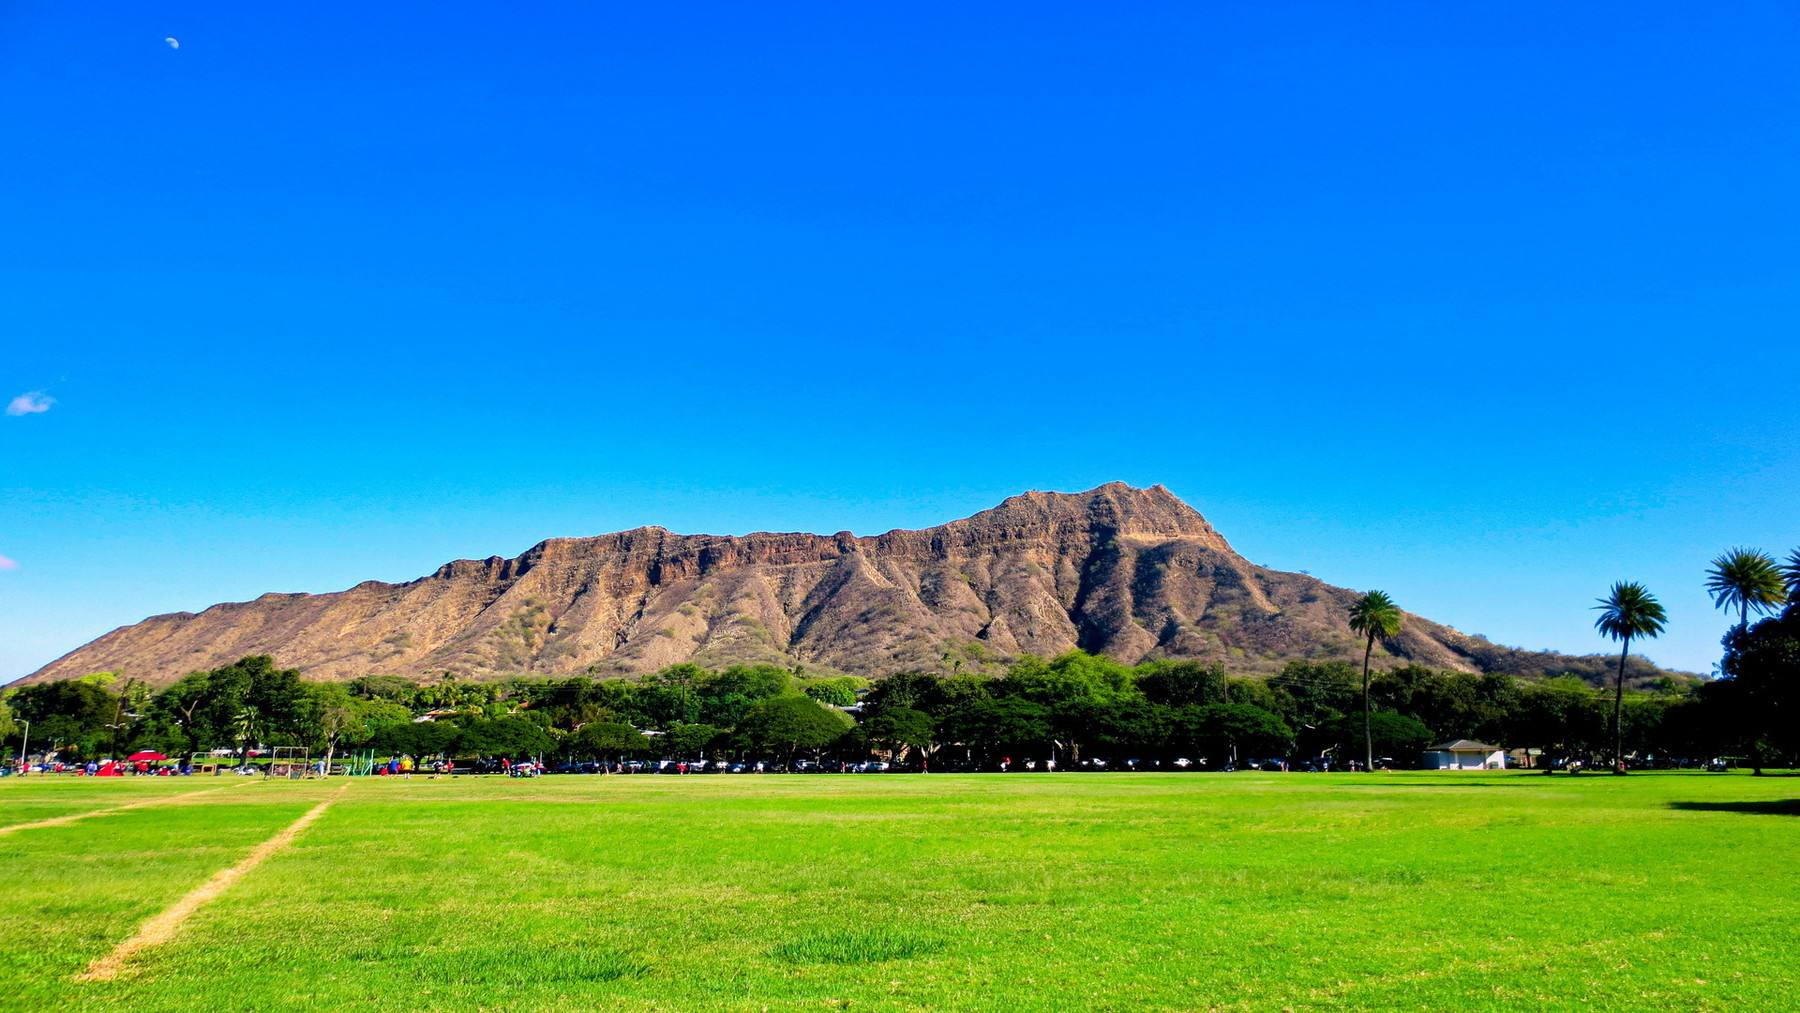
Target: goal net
[{"x": 290, "y": 761}]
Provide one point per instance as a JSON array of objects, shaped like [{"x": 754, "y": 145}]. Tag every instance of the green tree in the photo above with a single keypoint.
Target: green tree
[
  {"x": 901, "y": 729},
  {"x": 836, "y": 692},
  {"x": 330, "y": 718},
  {"x": 207, "y": 705},
  {"x": 384, "y": 687},
  {"x": 70, "y": 715},
  {"x": 1179, "y": 683},
  {"x": 513, "y": 735},
  {"x": 911, "y": 690},
  {"x": 786, "y": 725},
  {"x": 247, "y": 729},
  {"x": 374, "y": 715},
  {"x": 1217, "y": 732},
  {"x": 692, "y": 740},
  {"x": 1560, "y": 716},
  {"x": 996, "y": 727},
  {"x": 1761, "y": 686},
  {"x": 1627, "y": 612},
  {"x": 1400, "y": 736},
  {"x": 606, "y": 738},
  {"x": 1748, "y": 580},
  {"x": 1373, "y": 615}
]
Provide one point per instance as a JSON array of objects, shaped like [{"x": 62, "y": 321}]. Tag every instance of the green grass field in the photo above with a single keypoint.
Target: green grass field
[{"x": 997, "y": 893}]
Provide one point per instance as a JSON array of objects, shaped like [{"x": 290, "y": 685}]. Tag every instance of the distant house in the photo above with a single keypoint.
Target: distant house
[{"x": 1465, "y": 754}]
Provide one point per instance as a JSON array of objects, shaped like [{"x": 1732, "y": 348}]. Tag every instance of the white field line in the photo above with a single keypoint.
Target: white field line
[
  {"x": 162, "y": 928},
  {"x": 56, "y": 821}
]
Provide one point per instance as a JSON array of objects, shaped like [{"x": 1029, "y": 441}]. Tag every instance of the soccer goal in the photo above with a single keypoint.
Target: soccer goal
[{"x": 293, "y": 762}]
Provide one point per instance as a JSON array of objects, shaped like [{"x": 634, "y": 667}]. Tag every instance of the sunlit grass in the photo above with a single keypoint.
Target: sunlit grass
[
  {"x": 857, "y": 946},
  {"x": 996, "y": 893}
]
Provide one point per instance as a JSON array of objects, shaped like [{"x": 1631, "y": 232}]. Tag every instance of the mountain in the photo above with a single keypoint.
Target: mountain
[{"x": 1132, "y": 573}]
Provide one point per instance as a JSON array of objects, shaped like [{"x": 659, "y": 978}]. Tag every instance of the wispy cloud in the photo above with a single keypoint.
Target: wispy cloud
[
  {"x": 7, "y": 564},
  {"x": 29, "y": 403}
]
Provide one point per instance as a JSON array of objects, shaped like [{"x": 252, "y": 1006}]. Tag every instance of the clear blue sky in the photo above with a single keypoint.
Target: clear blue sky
[{"x": 1486, "y": 305}]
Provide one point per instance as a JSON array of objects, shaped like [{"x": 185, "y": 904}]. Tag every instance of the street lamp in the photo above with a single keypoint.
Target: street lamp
[{"x": 23, "y": 740}]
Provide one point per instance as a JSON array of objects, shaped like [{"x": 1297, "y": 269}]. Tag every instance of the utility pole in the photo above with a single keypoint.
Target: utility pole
[{"x": 24, "y": 739}]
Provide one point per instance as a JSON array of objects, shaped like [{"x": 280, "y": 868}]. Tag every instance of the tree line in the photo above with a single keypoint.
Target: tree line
[{"x": 1070, "y": 708}]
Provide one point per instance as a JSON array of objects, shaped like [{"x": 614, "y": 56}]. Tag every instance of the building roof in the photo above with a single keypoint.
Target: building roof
[{"x": 1464, "y": 746}]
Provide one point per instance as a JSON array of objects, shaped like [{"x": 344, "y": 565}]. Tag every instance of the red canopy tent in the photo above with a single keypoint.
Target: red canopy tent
[{"x": 146, "y": 755}]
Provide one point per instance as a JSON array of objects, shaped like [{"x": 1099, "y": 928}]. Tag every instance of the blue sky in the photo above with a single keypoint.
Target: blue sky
[{"x": 1484, "y": 305}]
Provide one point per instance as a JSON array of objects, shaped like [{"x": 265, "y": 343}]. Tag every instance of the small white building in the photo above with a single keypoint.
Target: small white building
[{"x": 1464, "y": 754}]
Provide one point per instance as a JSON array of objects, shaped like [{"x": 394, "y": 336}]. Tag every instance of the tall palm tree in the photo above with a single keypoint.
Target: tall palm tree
[
  {"x": 1747, "y": 580},
  {"x": 1791, "y": 573},
  {"x": 1373, "y": 615},
  {"x": 1628, "y": 611}
]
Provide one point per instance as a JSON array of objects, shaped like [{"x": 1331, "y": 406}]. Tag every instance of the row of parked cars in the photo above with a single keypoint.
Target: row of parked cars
[{"x": 1317, "y": 764}]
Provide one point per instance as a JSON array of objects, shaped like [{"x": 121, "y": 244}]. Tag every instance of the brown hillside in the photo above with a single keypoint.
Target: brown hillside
[{"x": 1132, "y": 573}]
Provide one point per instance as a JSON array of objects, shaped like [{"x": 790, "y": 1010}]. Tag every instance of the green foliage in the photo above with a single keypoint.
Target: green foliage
[
  {"x": 234, "y": 705},
  {"x": 1309, "y": 692},
  {"x": 512, "y": 736},
  {"x": 1629, "y": 611},
  {"x": 1225, "y": 730},
  {"x": 328, "y": 716},
  {"x": 836, "y": 692},
  {"x": 1180, "y": 683},
  {"x": 692, "y": 740},
  {"x": 1748, "y": 580},
  {"x": 1760, "y": 691},
  {"x": 901, "y": 728},
  {"x": 606, "y": 739},
  {"x": 1400, "y": 736},
  {"x": 784, "y": 726},
  {"x": 384, "y": 687},
  {"x": 1375, "y": 616},
  {"x": 72, "y": 716},
  {"x": 1561, "y": 716},
  {"x": 999, "y": 727}
]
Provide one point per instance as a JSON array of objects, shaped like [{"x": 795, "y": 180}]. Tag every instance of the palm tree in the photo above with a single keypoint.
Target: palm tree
[
  {"x": 1629, "y": 611},
  {"x": 1373, "y": 615},
  {"x": 247, "y": 724},
  {"x": 1747, "y": 579},
  {"x": 1791, "y": 573}
]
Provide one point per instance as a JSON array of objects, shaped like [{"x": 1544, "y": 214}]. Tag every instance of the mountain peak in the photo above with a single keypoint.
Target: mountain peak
[
  {"x": 1128, "y": 572},
  {"x": 1115, "y": 507}
]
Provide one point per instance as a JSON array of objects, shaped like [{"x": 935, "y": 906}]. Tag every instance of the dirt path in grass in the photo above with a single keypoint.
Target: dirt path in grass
[
  {"x": 162, "y": 928},
  {"x": 57, "y": 821}
]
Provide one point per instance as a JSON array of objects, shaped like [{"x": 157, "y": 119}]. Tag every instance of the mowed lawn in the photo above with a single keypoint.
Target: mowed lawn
[{"x": 1263, "y": 892}]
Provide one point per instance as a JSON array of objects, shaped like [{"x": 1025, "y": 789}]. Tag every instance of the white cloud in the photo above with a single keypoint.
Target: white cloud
[
  {"x": 30, "y": 402},
  {"x": 7, "y": 564}
]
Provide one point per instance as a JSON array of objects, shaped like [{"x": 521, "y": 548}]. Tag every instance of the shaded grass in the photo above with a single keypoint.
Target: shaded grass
[{"x": 1761, "y": 807}]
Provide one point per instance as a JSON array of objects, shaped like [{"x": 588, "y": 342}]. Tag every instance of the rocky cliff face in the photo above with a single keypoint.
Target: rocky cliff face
[{"x": 1132, "y": 573}]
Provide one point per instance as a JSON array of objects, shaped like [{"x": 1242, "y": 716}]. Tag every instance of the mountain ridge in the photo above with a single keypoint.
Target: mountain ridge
[{"x": 1132, "y": 573}]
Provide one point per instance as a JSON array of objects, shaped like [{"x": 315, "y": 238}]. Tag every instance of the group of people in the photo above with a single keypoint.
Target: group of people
[{"x": 100, "y": 768}]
